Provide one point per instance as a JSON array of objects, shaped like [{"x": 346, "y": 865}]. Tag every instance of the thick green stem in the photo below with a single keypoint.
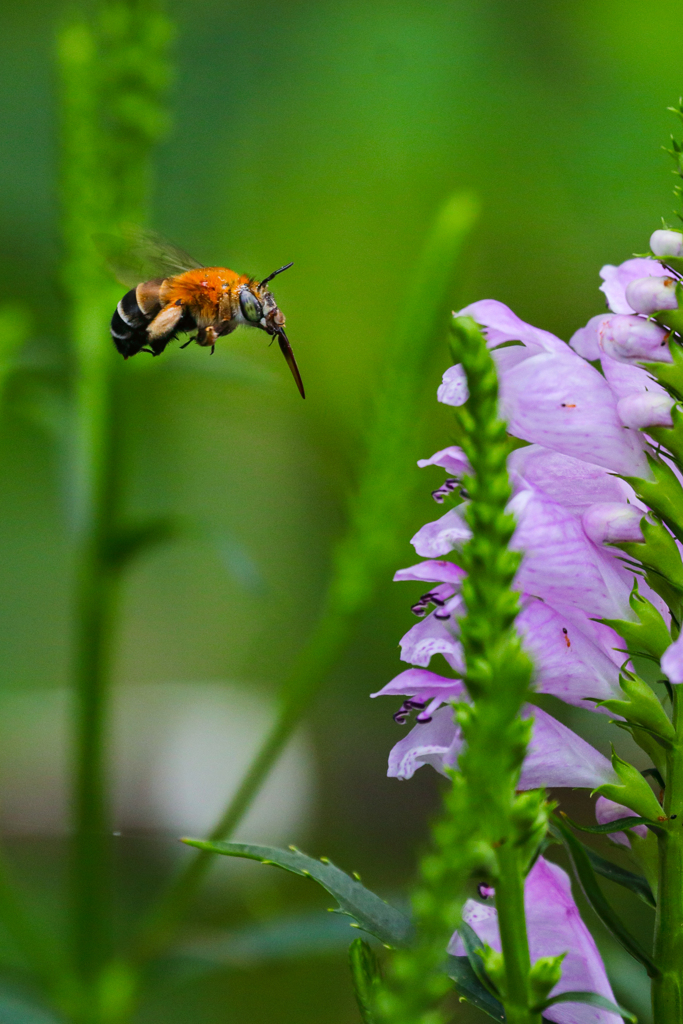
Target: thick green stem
[
  {"x": 667, "y": 988},
  {"x": 513, "y": 936}
]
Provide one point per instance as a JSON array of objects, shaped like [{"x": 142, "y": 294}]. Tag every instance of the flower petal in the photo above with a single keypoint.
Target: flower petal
[
  {"x": 453, "y": 388},
  {"x": 567, "y": 662},
  {"x": 432, "y": 571},
  {"x": 561, "y": 565},
  {"x": 441, "y": 536},
  {"x": 610, "y": 522},
  {"x": 560, "y": 401},
  {"x": 556, "y": 756},
  {"x": 434, "y": 635},
  {"x": 672, "y": 661},
  {"x": 617, "y": 279},
  {"x": 452, "y": 459},
  {"x": 570, "y": 482},
  {"x": 418, "y": 682},
  {"x": 427, "y": 743}
]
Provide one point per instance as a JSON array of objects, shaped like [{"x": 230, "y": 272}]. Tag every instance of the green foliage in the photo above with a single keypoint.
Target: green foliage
[
  {"x": 370, "y": 912},
  {"x": 632, "y": 790},
  {"x": 642, "y": 707},
  {"x": 365, "y": 976},
  {"x": 649, "y": 637},
  {"x": 590, "y": 999}
]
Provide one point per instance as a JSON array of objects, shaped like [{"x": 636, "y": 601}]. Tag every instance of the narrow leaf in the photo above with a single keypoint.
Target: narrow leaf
[
  {"x": 618, "y": 825},
  {"x": 471, "y": 989},
  {"x": 366, "y": 976},
  {"x": 638, "y": 884},
  {"x": 473, "y": 944},
  {"x": 592, "y": 999},
  {"x": 593, "y": 893},
  {"x": 389, "y": 925}
]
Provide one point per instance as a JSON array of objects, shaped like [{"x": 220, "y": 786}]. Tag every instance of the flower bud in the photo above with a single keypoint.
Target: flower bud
[
  {"x": 630, "y": 339},
  {"x": 610, "y": 522},
  {"x": 645, "y": 409},
  {"x": 667, "y": 243},
  {"x": 453, "y": 389},
  {"x": 650, "y": 294}
]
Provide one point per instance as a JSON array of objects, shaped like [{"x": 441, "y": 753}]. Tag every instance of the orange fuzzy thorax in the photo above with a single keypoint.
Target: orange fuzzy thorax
[{"x": 202, "y": 290}]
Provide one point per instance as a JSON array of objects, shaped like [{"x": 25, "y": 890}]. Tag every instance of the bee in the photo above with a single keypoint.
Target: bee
[{"x": 171, "y": 294}]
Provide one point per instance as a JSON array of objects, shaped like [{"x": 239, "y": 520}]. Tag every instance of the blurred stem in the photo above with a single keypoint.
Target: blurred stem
[
  {"x": 667, "y": 986},
  {"x": 84, "y": 194},
  {"x": 378, "y": 514},
  {"x": 513, "y": 935}
]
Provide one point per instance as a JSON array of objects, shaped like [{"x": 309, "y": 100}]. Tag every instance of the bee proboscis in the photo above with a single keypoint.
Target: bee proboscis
[{"x": 171, "y": 294}]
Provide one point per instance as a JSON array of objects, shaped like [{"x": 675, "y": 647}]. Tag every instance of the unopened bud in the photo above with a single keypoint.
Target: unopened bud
[
  {"x": 645, "y": 409},
  {"x": 610, "y": 522},
  {"x": 650, "y": 294},
  {"x": 630, "y": 339},
  {"x": 667, "y": 243},
  {"x": 453, "y": 389}
]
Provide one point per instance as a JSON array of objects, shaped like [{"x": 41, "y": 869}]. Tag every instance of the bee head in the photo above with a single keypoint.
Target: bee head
[{"x": 260, "y": 309}]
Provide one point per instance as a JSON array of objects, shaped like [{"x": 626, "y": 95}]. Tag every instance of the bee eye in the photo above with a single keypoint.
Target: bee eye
[{"x": 250, "y": 306}]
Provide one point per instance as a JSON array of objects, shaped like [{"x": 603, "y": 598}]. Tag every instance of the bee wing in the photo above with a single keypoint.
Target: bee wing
[{"x": 136, "y": 255}]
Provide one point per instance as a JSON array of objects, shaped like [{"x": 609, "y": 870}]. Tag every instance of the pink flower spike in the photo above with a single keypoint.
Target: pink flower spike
[
  {"x": 452, "y": 459},
  {"x": 617, "y": 279},
  {"x": 440, "y": 537},
  {"x": 631, "y": 339},
  {"x": 647, "y": 409},
  {"x": 607, "y": 810},
  {"x": 453, "y": 388},
  {"x": 554, "y": 927},
  {"x": 672, "y": 661},
  {"x": 611, "y": 523}
]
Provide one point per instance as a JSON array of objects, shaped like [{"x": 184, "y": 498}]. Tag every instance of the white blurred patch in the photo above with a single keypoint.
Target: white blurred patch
[{"x": 179, "y": 751}]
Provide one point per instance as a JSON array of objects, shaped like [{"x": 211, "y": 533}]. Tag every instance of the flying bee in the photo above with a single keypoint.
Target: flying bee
[{"x": 171, "y": 294}]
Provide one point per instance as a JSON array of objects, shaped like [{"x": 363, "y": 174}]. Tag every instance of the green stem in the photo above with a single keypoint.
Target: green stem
[
  {"x": 667, "y": 988},
  {"x": 513, "y": 936}
]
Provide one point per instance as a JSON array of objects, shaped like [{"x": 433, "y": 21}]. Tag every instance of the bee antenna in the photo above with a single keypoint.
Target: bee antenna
[{"x": 275, "y": 273}]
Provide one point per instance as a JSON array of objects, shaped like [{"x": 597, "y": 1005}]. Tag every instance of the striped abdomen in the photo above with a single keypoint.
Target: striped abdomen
[{"x": 133, "y": 315}]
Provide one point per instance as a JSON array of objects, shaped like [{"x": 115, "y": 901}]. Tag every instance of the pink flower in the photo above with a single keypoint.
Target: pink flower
[
  {"x": 607, "y": 810},
  {"x": 617, "y": 279},
  {"x": 554, "y": 927}
]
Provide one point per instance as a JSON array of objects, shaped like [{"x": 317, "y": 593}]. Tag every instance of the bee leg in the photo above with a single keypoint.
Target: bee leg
[
  {"x": 164, "y": 323},
  {"x": 213, "y": 349},
  {"x": 188, "y": 342},
  {"x": 207, "y": 337}
]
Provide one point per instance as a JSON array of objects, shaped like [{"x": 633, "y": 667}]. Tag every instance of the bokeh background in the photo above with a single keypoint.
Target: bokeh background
[{"x": 327, "y": 133}]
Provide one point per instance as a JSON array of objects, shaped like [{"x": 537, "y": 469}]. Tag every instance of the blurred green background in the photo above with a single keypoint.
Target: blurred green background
[{"x": 327, "y": 133}]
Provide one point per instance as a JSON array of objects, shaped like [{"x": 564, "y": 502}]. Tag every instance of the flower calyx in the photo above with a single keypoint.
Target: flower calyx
[
  {"x": 641, "y": 709},
  {"x": 647, "y": 638},
  {"x": 632, "y": 791},
  {"x": 544, "y": 976}
]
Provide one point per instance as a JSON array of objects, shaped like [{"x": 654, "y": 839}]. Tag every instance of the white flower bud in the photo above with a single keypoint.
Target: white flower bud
[
  {"x": 650, "y": 294},
  {"x": 453, "y": 389},
  {"x": 645, "y": 409},
  {"x": 609, "y": 522},
  {"x": 667, "y": 243},
  {"x": 630, "y": 339}
]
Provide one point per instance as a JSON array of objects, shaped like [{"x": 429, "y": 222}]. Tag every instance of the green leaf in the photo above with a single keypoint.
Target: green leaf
[
  {"x": 649, "y": 637},
  {"x": 618, "y": 825},
  {"x": 471, "y": 989},
  {"x": 638, "y": 884},
  {"x": 592, "y": 999},
  {"x": 473, "y": 944},
  {"x": 662, "y": 494},
  {"x": 586, "y": 877},
  {"x": 366, "y": 977},
  {"x": 389, "y": 925}
]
